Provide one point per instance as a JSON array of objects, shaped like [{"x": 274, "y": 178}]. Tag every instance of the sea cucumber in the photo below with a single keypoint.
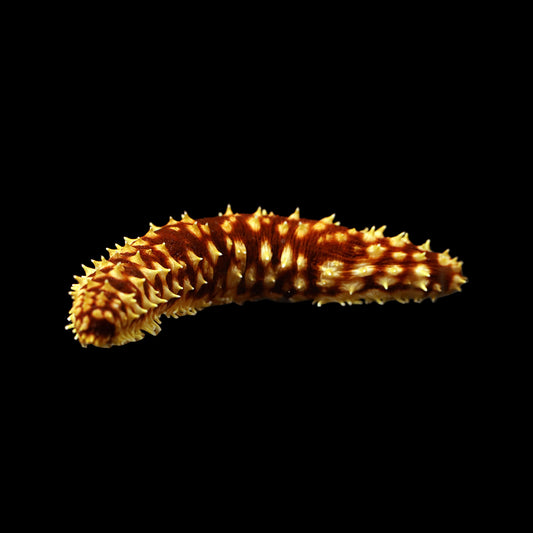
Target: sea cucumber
[{"x": 184, "y": 266}]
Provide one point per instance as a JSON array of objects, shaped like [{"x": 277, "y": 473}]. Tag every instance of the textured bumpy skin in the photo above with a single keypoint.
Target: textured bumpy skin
[{"x": 185, "y": 266}]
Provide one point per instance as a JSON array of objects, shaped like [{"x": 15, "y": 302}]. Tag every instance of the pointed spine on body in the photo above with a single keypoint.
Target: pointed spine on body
[{"x": 187, "y": 265}]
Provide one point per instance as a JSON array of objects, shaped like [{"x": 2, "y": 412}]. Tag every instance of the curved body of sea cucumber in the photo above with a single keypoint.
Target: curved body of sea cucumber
[{"x": 187, "y": 265}]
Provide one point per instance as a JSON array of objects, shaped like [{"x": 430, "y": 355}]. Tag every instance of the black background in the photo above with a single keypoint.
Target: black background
[
  {"x": 379, "y": 125},
  {"x": 377, "y": 138},
  {"x": 376, "y": 130}
]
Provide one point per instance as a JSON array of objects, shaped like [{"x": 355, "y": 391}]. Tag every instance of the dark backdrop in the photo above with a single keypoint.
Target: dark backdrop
[{"x": 379, "y": 127}]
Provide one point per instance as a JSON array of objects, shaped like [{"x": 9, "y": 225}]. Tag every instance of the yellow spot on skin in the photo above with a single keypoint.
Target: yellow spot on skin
[
  {"x": 457, "y": 281},
  {"x": 229, "y": 244},
  {"x": 193, "y": 258},
  {"x": 331, "y": 268},
  {"x": 207, "y": 270},
  {"x": 283, "y": 228},
  {"x": 137, "y": 259},
  {"x": 175, "y": 228},
  {"x": 444, "y": 258},
  {"x": 138, "y": 282},
  {"x": 240, "y": 250},
  {"x": 456, "y": 265},
  {"x": 319, "y": 226},
  {"x": 301, "y": 262},
  {"x": 423, "y": 271},
  {"x": 419, "y": 256},
  {"x": 386, "y": 281},
  {"x": 155, "y": 296},
  {"x": 370, "y": 236},
  {"x": 200, "y": 280},
  {"x": 300, "y": 283},
  {"x": 400, "y": 240},
  {"x": 301, "y": 231},
  {"x": 175, "y": 266},
  {"x": 421, "y": 284},
  {"x": 88, "y": 270},
  {"x": 205, "y": 229},
  {"x": 286, "y": 257},
  {"x": 255, "y": 223},
  {"x": 363, "y": 271},
  {"x": 374, "y": 251},
  {"x": 167, "y": 294},
  {"x": 187, "y": 286},
  {"x": 270, "y": 278},
  {"x": 399, "y": 256},
  {"x": 233, "y": 276},
  {"x": 86, "y": 321},
  {"x": 426, "y": 246},
  {"x": 195, "y": 230},
  {"x": 329, "y": 271},
  {"x": 187, "y": 219},
  {"x": 394, "y": 270},
  {"x": 265, "y": 253},
  {"x": 213, "y": 252},
  {"x": 340, "y": 237},
  {"x": 250, "y": 277},
  {"x": 379, "y": 232},
  {"x": 353, "y": 286},
  {"x": 227, "y": 226}
]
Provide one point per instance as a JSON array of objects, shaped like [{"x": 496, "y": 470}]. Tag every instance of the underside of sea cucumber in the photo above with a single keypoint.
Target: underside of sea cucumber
[{"x": 187, "y": 265}]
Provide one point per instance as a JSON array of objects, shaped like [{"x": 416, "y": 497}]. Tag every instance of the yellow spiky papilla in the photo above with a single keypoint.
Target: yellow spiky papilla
[{"x": 186, "y": 265}]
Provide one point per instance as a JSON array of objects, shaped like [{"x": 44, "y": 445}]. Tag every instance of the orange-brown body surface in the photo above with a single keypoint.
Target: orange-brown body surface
[{"x": 188, "y": 265}]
